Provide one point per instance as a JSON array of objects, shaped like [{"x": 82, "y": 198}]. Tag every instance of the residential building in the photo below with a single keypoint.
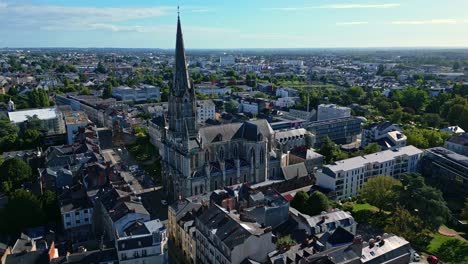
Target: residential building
[
  {"x": 340, "y": 130},
  {"x": 52, "y": 121},
  {"x": 387, "y": 248},
  {"x": 332, "y": 111},
  {"x": 286, "y": 102},
  {"x": 458, "y": 144},
  {"x": 294, "y": 138},
  {"x": 304, "y": 115},
  {"x": 77, "y": 214},
  {"x": 206, "y": 110},
  {"x": 142, "y": 93},
  {"x": 447, "y": 169},
  {"x": 227, "y": 60},
  {"x": 346, "y": 177},
  {"x": 286, "y": 92},
  {"x": 142, "y": 242},
  {"x": 73, "y": 121},
  {"x": 318, "y": 225},
  {"x": 385, "y": 134},
  {"x": 224, "y": 237}
]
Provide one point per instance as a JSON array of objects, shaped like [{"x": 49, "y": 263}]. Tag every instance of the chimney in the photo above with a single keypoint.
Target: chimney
[{"x": 371, "y": 243}]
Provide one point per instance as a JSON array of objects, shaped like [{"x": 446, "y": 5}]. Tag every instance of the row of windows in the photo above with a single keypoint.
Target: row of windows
[
  {"x": 86, "y": 220},
  {"x": 67, "y": 215}
]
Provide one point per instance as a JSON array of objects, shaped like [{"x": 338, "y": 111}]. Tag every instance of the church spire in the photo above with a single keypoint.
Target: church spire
[{"x": 181, "y": 77}]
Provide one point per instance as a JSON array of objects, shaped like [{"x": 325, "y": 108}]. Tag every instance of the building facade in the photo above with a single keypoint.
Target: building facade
[
  {"x": 346, "y": 177},
  {"x": 341, "y": 130},
  {"x": 332, "y": 111}
]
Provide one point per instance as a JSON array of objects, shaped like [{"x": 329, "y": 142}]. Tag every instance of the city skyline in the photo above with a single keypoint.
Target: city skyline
[{"x": 243, "y": 24}]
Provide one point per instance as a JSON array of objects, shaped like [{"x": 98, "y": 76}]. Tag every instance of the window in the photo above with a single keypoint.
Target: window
[
  {"x": 77, "y": 213},
  {"x": 245, "y": 177},
  {"x": 68, "y": 223},
  {"x": 86, "y": 219},
  {"x": 143, "y": 252},
  {"x": 85, "y": 211},
  {"x": 230, "y": 181},
  {"x": 262, "y": 158},
  {"x": 216, "y": 185},
  {"x": 123, "y": 255},
  {"x": 221, "y": 154},
  {"x": 252, "y": 156},
  {"x": 207, "y": 156},
  {"x": 78, "y": 221},
  {"x": 67, "y": 215},
  {"x": 235, "y": 151}
]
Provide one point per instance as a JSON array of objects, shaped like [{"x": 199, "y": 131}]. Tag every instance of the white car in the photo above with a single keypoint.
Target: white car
[{"x": 416, "y": 257}]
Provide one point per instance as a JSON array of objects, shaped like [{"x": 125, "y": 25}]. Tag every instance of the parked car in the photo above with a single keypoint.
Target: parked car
[{"x": 416, "y": 257}]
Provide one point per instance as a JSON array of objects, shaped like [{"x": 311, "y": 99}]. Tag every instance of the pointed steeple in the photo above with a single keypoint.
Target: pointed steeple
[{"x": 181, "y": 76}]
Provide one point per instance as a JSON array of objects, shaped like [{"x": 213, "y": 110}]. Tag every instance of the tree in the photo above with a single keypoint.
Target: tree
[
  {"x": 371, "y": 148},
  {"x": 31, "y": 138},
  {"x": 8, "y": 134},
  {"x": 15, "y": 171},
  {"x": 427, "y": 201},
  {"x": 328, "y": 150},
  {"x": 100, "y": 68},
  {"x": 231, "y": 106},
  {"x": 453, "y": 251},
  {"x": 355, "y": 92},
  {"x": 285, "y": 242},
  {"x": 23, "y": 210},
  {"x": 107, "y": 93},
  {"x": 380, "y": 70},
  {"x": 317, "y": 203},
  {"x": 407, "y": 225},
  {"x": 299, "y": 201},
  {"x": 50, "y": 206},
  {"x": 381, "y": 192}
]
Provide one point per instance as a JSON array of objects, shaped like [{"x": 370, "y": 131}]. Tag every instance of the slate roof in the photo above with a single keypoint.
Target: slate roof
[
  {"x": 296, "y": 170},
  {"x": 89, "y": 257},
  {"x": 227, "y": 132},
  {"x": 34, "y": 257}
]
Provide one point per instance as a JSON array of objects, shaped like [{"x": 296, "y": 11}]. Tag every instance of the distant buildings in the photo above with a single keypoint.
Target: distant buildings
[
  {"x": 332, "y": 111},
  {"x": 385, "y": 134},
  {"x": 286, "y": 92},
  {"x": 142, "y": 93},
  {"x": 227, "y": 60},
  {"x": 346, "y": 177}
]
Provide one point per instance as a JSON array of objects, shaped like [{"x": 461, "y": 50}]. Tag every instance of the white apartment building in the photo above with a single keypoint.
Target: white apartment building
[
  {"x": 332, "y": 111},
  {"x": 140, "y": 94},
  {"x": 286, "y": 101},
  {"x": 76, "y": 214},
  {"x": 346, "y": 177},
  {"x": 385, "y": 134},
  {"x": 286, "y": 92},
  {"x": 205, "y": 110}
]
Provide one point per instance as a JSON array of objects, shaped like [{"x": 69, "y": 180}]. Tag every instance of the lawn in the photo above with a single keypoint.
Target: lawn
[
  {"x": 359, "y": 207},
  {"x": 437, "y": 241}
]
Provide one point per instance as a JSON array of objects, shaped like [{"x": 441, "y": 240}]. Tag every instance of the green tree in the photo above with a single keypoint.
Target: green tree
[
  {"x": 355, "y": 92},
  {"x": 15, "y": 171},
  {"x": 380, "y": 70},
  {"x": 427, "y": 201},
  {"x": 381, "y": 191},
  {"x": 453, "y": 251},
  {"x": 231, "y": 106},
  {"x": 50, "y": 206},
  {"x": 409, "y": 226},
  {"x": 285, "y": 242},
  {"x": 329, "y": 150},
  {"x": 371, "y": 148},
  {"x": 8, "y": 134},
  {"x": 412, "y": 97},
  {"x": 23, "y": 210},
  {"x": 317, "y": 203},
  {"x": 299, "y": 202},
  {"x": 100, "y": 68},
  {"x": 107, "y": 92},
  {"x": 31, "y": 138}
]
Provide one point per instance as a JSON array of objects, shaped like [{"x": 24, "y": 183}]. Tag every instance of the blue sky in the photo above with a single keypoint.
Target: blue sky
[{"x": 234, "y": 23}]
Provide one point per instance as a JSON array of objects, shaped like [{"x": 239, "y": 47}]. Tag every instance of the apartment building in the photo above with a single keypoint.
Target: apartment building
[
  {"x": 332, "y": 111},
  {"x": 346, "y": 177},
  {"x": 141, "y": 93},
  {"x": 341, "y": 130}
]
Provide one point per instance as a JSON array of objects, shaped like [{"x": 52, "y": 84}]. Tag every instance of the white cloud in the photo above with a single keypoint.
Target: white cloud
[
  {"x": 338, "y": 6},
  {"x": 426, "y": 22},
  {"x": 352, "y": 23},
  {"x": 73, "y": 18}
]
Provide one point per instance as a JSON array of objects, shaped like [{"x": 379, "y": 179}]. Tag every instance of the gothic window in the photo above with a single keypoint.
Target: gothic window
[
  {"x": 201, "y": 188},
  {"x": 252, "y": 155},
  {"x": 245, "y": 177},
  {"x": 230, "y": 181},
  {"x": 235, "y": 152},
  {"x": 262, "y": 156},
  {"x": 216, "y": 185},
  {"x": 207, "y": 156},
  {"x": 221, "y": 154},
  {"x": 196, "y": 190}
]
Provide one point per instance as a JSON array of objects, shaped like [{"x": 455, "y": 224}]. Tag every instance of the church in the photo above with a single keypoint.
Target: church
[{"x": 196, "y": 159}]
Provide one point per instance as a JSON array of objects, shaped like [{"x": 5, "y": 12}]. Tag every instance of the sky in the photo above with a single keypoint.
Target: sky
[{"x": 231, "y": 24}]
